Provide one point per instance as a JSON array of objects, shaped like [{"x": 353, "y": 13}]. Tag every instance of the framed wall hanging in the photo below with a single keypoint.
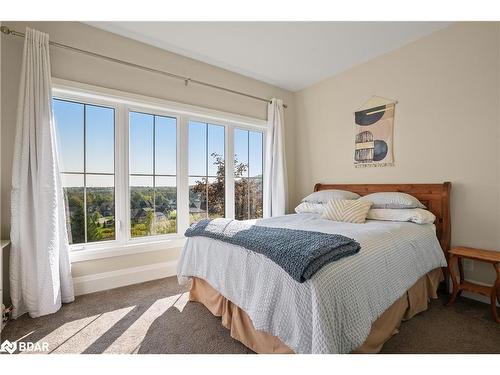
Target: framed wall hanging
[{"x": 374, "y": 126}]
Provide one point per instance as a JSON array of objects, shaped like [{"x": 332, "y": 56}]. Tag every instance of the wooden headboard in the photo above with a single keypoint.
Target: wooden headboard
[{"x": 436, "y": 197}]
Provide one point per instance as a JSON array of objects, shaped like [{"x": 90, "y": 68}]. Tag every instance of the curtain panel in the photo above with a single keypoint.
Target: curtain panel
[
  {"x": 275, "y": 177},
  {"x": 40, "y": 273}
]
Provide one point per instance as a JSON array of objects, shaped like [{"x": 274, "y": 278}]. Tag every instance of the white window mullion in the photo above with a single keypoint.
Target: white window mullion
[
  {"x": 229, "y": 172},
  {"x": 182, "y": 175},
  {"x": 264, "y": 153},
  {"x": 122, "y": 195}
]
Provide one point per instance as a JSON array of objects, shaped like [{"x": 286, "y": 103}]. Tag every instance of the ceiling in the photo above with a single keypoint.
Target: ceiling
[{"x": 290, "y": 55}]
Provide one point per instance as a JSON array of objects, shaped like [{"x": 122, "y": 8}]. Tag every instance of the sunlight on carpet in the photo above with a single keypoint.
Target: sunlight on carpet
[
  {"x": 89, "y": 334},
  {"x": 63, "y": 333},
  {"x": 131, "y": 339}
]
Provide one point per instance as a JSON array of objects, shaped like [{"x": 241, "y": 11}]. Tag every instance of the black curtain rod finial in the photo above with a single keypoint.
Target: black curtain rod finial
[{"x": 5, "y": 30}]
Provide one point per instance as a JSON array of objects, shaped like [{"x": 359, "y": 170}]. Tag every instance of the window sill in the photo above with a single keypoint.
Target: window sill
[{"x": 129, "y": 249}]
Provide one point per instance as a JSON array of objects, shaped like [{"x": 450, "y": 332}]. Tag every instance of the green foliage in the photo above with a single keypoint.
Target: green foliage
[
  {"x": 153, "y": 210},
  {"x": 212, "y": 194},
  {"x": 77, "y": 218},
  {"x": 172, "y": 215},
  {"x": 93, "y": 227},
  {"x": 100, "y": 214},
  {"x": 247, "y": 192}
]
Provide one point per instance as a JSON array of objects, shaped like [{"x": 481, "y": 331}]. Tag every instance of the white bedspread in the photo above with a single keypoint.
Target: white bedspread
[{"x": 333, "y": 311}]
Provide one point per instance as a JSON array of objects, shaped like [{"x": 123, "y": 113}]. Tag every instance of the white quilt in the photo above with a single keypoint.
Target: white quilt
[{"x": 333, "y": 311}]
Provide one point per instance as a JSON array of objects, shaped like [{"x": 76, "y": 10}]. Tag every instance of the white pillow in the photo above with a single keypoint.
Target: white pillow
[
  {"x": 415, "y": 215},
  {"x": 393, "y": 200},
  {"x": 323, "y": 196},
  {"x": 346, "y": 210},
  {"x": 307, "y": 207}
]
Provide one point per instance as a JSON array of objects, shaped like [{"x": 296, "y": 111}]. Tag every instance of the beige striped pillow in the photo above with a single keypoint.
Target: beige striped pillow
[{"x": 346, "y": 210}]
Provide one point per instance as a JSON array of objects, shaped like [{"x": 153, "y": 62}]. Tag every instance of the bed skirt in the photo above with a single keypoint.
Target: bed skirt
[{"x": 414, "y": 301}]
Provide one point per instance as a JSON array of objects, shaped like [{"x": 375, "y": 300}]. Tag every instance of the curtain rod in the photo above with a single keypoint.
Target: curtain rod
[{"x": 187, "y": 80}]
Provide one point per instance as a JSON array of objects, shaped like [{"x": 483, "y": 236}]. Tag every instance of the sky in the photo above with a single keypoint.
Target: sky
[
  {"x": 144, "y": 131},
  {"x": 69, "y": 118}
]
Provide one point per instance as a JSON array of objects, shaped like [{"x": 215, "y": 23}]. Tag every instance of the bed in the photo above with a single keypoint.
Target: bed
[{"x": 352, "y": 305}]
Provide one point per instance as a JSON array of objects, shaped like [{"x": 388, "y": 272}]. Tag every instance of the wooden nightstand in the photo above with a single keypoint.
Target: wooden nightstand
[{"x": 493, "y": 257}]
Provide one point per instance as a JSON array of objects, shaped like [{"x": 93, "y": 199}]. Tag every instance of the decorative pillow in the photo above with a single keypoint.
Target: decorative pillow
[
  {"x": 346, "y": 210},
  {"x": 307, "y": 207},
  {"x": 415, "y": 215},
  {"x": 323, "y": 196},
  {"x": 393, "y": 200}
]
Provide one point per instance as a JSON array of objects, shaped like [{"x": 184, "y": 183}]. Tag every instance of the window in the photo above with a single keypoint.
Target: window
[
  {"x": 248, "y": 174},
  {"x": 153, "y": 187},
  {"x": 206, "y": 171},
  {"x": 86, "y": 144},
  {"x": 137, "y": 171}
]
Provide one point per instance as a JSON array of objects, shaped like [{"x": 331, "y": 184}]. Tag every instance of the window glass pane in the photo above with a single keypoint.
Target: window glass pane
[
  {"x": 141, "y": 205},
  {"x": 215, "y": 150},
  {"x": 153, "y": 198},
  {"x": 165, "y": 147},
  {"x": 165, "y": 205},
  {"x": 68, "y": 117},
  {"x": 255, "y": 154},
  {"x": 206, "y": 185},
  {"x": 240, "y": 198},
  {"x": 248, "y": 184},
  {"x": 100, "y": 139},
  {"x": 197, "y": 198},
  {"x": 74, "y": 205},
  {"x": 255, "y": 181},
  {"x": 100, "y": 208},
  {"x": 197, "y": 148},
  {"x": 240, "y": 153},
  {"x": 89, "y": 198},
  {"x": 216, "y": 194},
  {"x": 141, "y": 143}
]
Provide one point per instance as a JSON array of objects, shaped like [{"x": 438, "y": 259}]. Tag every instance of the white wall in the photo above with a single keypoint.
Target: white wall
[
  {"x": 76, "y": 67},
  {"x": 446, "y": 126}
]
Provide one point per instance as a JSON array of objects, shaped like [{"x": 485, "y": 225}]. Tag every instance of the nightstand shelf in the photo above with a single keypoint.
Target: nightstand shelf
[
  {"x": 476, "y": 288},
  {"x": 488, "y": 256}
]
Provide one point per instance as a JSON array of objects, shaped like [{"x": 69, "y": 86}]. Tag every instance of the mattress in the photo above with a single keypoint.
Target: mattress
[{"x": 333, "y": 312}]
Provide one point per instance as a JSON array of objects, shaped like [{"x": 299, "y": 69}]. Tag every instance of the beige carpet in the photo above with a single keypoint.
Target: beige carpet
[{"x": 155, "y": 317}]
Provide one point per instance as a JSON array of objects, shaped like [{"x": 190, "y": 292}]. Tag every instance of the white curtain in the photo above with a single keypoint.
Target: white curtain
[
  {"x": 40, "y": 274},
  {"x": 275, "y": 179}
]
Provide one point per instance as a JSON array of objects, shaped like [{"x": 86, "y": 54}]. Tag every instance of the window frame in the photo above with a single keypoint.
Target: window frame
[
  {"x": 163, "y": 113},
  {"x": 123, "y": 103},
  {"x": 74, "y": 98},
  {"x": 226, "y": 162}
]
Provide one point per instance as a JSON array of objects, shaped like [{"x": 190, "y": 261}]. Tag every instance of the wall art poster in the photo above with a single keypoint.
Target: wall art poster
[{"x": 374, "y": 136}]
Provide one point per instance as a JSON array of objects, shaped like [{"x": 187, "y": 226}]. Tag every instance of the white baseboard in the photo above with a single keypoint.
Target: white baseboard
[{"x": 123, "y": 277}]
